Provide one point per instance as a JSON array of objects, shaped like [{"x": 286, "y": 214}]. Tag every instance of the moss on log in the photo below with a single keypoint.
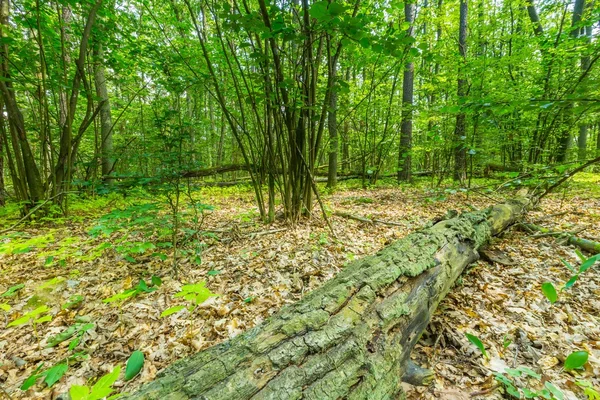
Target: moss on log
[{"x": 352, "y": 337}]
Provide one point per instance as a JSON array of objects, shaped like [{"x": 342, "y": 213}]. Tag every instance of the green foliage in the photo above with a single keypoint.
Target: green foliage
[
  {"x": 101, "y": 389},
  {"x": 589, "y": 390},
  {"x": 518, "y": 388},
  {"x": 550, "y": 292},
  {"x": 77, "y": 330},
  {"x": 195, "y": 294},
  {"x": 51, "y": 376},
  {"x": 576, "y": 360},
  {"x": 13, "y": 290},
  {"x": 36, "y": 316},
  {"x": 141, "y": 287},
  {"x": 477, "y": 342},
  {"x": 586, "y": 263},
  {"x": 134, "y": 365}
]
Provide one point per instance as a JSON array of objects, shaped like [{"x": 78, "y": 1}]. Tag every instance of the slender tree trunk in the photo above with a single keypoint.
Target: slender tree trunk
[
  {"x": 332, "y": 124},
  {"x": 404, "y": 154},
  {"x": 583, "y": 127},
  {"x": 2, "y": 187},
  {"x": 460, "y": 130},
  {"x": 28, "y": 167},
  {"x": 106, "y": 139},
  {"x": 565, "y": 139}
]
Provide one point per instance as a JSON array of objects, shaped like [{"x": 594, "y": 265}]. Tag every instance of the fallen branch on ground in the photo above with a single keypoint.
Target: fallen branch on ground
[
  {"x": 569, "y": 237},
  {"x": 350, "y": 338}
]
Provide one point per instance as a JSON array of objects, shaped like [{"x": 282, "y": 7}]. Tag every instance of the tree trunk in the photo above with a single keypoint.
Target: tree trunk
[
  {"x": 460, "y": 131},
  {"x": 564, "y": 141},
  {"x": 332, "y": 126},
  {"x": 352, "y": 337},
  {"x": 583, "y": 127},
  {"x": 27, "y": 166},
  {"x": 404, "y": 156},
  {"x": 106, "y": 145}
]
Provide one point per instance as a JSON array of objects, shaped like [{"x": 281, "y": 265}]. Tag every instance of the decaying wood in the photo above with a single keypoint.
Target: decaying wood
[
  {"x": 570, "y": 237},
  {"x": 496, "y": 256},
  {"x": 352, "y": 337}
]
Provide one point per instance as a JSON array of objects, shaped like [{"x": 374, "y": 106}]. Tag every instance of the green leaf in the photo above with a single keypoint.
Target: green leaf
[
  {"x": 513, "y": 391},
  {"x": 571, "y": 282},
  {"x": 134, "y": 365},
  {"x": 156, "y": 281},
  {"x": 587, "y": 264},
  {"x": 12, "y": 290},
  {"x": 365, "y": 42},
  {"x": 575, "y": 360},
  {"x": 550, "y": 292},
  {"x": 475, "y": 340},
  {"x": 30, "y": 315},
  {"x": 4, "y": 307},
  {"x": 102, "y": 388},
  {"x": 568, "y": 265},
  {"x": 79, "y": 392},
  {"x": 530, "y": 372},
  {"x": 29, "y": 382},
  {"x": 213, "y": 272},
  {"x": 54, "y": 374},
  {"x": 45, "y": 318},
  {"x": 171, "y": 310},
  {"x": 554, "y": 390},
  {"x": 73, "y": 302},
  {"x": 318, "y": 10}
]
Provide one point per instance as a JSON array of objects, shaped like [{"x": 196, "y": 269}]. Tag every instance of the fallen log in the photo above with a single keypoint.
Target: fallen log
[
  {"x": 352, "y": 337},
  {"x": 584, "y": 244}
]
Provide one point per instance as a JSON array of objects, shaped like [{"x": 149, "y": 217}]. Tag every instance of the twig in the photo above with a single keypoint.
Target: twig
[
  {"x": 365, "y": 219},
  {"x": 484, "y": 391}
]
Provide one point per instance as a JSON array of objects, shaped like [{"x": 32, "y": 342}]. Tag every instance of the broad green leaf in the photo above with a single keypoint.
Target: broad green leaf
[
  {"x": 213, "y": 272},
  {"x": 12, "y": 290},
  {"x": 571, "y": 282},
  {"x": 554, "y": 390},
  {"x": 29, "y": 382},
  {"x": 4, "y": 307},
  {"x": 134, "y": 365},
  {"x": 171, "y": 310},
  {"x": 530, "y": 372},
  {"x": 550, "y": 292},
  {"x": 475, "y": 340},
  {"x": 29, "y": 316},
  {"x": 54, "y": 374},
  {"x": 587, "y": 264},
  {"x": 79, "y": 392},
  {"x": 45, "y": 318},
  {"x": 73, "y": 302},
  {"x": 575, "y": 360},
  {"x": 102, "y": 388},
  {"x": 156, "y": 281}
]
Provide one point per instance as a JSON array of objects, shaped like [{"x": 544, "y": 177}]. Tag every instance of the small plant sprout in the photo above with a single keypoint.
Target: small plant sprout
[
  {"x": 195, "y": 294},
  {"x": 477, "y": 342}
]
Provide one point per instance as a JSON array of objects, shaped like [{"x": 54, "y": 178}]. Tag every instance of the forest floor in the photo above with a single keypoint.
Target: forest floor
[{"x": 255, "y": 269}]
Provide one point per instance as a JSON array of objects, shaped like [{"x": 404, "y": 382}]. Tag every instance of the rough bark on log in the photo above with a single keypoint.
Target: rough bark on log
[{"x": 352, "y": 337}]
